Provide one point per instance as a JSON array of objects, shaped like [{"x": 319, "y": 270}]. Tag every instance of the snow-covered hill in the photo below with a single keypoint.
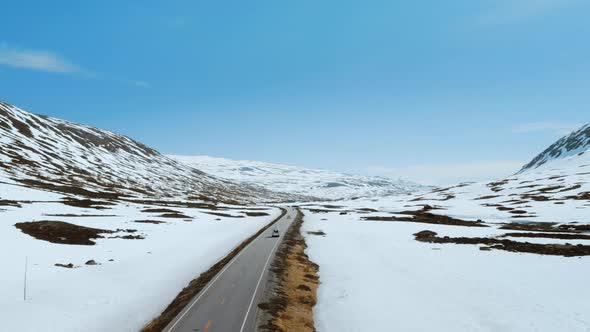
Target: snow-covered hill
[
  {"x": 504, "y": 255},
  {"x": 553, "y": 187},
  {"x": 303, "y": 181},
  {"x": 58, "y": 155},
  {"x": 578, "y": 142}
]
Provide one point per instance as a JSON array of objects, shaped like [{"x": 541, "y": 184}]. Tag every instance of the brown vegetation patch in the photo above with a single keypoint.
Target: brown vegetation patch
[
  {"x": 4, "y": 202},
  {"x": 425, "y": 217},
  {"x": 319, "y": 210},
  {"x": 574, "y": 228},
  {"x": 51, "y": 185},
  {"x": 61, "y": 232},
  {"x": 580, "y": 196},
  {"x": 295, "y": 289},
  {"x": 574, "y": 187},
  {"x": 128, "y": 237},
  {"x": 538, "y": 198},
  {"x": 366, "y": 210},
  {"x": 549, "y": 236},
  {"x": 532, "y": 227},
  {"x": 226, "y": 215},
  {"x": 333, "y": 206},
  {"x": 159, "y": 210},
  {"x": 71, "y": 215},
  {"x": 87, "y": 203},
  {"x": 177, "y": 215},
  {"x": 566, "y": 250},
  {"x": 195, "y": 286},
  {"x": 150, "y": 221},
  {"x": 486, "y": 197},
  {"x": 255, "y": 214}
]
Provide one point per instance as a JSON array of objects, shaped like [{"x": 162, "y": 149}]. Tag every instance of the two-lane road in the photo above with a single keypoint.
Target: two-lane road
[{"x": 229, "y": 302}]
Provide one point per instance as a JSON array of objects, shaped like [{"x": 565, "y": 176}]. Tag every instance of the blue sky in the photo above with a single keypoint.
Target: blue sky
[{"x": 436, "y": 91}]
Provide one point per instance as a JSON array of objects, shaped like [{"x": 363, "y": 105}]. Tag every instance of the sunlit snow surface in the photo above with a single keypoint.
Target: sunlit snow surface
[
  {"x": 319, "y": 183},
  {"x": 119, "y": 295},
  {"x": 376, "y": 277}
]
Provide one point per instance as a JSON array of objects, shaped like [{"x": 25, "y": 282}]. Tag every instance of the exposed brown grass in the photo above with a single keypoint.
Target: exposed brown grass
[
  {"x": 196, "y": 285},
  {"x": 566, "y": 250},
  {"x": 296, "y": 291},
  {"x": 425, "y": 217},
  {"x": 61, "y": 232}
]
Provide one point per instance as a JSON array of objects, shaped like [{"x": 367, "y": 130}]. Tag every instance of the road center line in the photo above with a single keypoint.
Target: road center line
[
  {"x": 259, "y": 280},
  {"x": 189, "y": 307}
]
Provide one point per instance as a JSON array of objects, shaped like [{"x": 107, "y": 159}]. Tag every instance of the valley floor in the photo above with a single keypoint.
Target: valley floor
[
  {"x": 376, "y": 277},
  {"x": 134, "y": 279}
]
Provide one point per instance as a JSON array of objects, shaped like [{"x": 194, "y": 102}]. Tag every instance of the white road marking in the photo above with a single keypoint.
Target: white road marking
[
  {"x": 188, "y": 308},
  {"x": 258, "y": 284}
]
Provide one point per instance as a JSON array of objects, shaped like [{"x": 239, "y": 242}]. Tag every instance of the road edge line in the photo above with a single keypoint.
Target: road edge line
[{"x": 203, "y": 281}]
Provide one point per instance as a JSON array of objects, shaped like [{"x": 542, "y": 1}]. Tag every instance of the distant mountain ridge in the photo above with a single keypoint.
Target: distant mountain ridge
[
  {"x": 301, "y": 181},
  {"x": 578, "y": 142},
  {"x": 59, "y": 155}
]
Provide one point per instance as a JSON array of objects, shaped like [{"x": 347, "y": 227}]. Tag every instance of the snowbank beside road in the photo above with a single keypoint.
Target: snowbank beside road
[
  {"x": 119, "y": 295},
  {"x": 376, "y": 277}
]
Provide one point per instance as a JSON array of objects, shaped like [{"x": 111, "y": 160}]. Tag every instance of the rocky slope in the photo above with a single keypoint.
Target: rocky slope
[
  {"x": 58, "y": 155},
  {"x": 575, "y": 143}
]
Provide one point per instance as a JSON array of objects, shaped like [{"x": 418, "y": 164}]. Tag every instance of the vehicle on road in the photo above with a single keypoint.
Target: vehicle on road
[{"x": 275, "y": 232}]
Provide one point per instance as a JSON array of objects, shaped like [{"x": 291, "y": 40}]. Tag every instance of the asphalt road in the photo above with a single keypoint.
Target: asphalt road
[{"x": 229, "y": 303}]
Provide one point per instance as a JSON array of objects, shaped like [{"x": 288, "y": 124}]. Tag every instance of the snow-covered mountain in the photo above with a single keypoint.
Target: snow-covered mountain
[
  {"x": 302, "y": 181},
  {"x": 553, "y": 187},
  {"x": 578, "y": 142},
  {"x": 62, "y": 156}
]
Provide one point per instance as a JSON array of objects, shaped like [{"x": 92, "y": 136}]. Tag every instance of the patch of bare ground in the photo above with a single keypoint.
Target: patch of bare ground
[
  {"x": 226, "y": 215},
  {"x": 87, "y": 203},
  {"x": 159, "y": 210},
  {"x": 71, "y": 215},
  {"x": 546, "y": 227},
  {"x": 366, "y": 210},
  {"x": 176, "y": 215},
  {"x": 486, "y": 197},
  {"x": 549, "y": 236},
  {"x": 295, "y": 282},
  {"x": 4, "y": 202},
  {"x": 255, "y": 214},
  {"x": 574, "y": 187},
  {"x": 574, "y": 227},
  {"x": 332, "y": 206},
  {"x": 319, "y": 210},
  {"x": 566, "y": 250},
  {"x": 61, "y": 232},
  {"x": 580, "y": 196},
  {"x": 196, "y": 285},
  {"x": 426, "y": 217},
  {"x": 147, "y": 221},
  {"x": 52, "y": 185},
  {"x": 128, "y": 237}
]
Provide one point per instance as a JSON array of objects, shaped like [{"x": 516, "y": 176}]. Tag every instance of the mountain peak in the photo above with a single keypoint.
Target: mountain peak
[
  {"x": 58, "y": 155},
  {"x": 577, "y": 142}
]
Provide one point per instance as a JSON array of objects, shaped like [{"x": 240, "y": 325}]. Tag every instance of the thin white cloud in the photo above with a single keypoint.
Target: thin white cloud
[
  {"x": 48, "y": 61},
  {"x": 447, "y": 174},
  {"x": 139, "y": 83},
  {"x": 513, "y": 11},
  {"x": 35, "y": 60},
  {"x": 559, "y": 128}
]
